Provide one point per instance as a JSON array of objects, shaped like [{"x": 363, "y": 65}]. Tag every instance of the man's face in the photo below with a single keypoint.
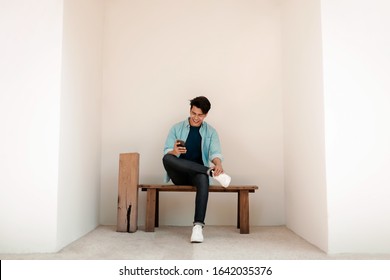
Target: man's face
[{"x": 196, "y": 116}]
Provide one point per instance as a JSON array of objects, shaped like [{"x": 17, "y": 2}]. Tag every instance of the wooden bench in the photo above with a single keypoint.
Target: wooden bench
[
  {"x": 128, "y": 188},
  {"x": 152, "y": 202}
]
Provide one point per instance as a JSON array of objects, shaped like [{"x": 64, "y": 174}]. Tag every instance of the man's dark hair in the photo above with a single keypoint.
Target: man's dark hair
[{"x": 202, "y": 103}]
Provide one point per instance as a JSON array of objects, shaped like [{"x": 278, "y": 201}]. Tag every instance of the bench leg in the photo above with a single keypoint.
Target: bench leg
[
  {"x": 150, "y": 210},
  {"x": 244, "y": 211},
  {"x": 238, "y": 209},
  {"x": 156, "y": 219}
]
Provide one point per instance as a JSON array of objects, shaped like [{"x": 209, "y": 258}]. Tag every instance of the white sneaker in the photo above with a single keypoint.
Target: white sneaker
[
  {"x": 197, "y": 235},
  {"x": 223, "y": 179}
]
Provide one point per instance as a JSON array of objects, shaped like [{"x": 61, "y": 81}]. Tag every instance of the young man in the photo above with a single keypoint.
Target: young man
[{"x": 192, "y": 154}]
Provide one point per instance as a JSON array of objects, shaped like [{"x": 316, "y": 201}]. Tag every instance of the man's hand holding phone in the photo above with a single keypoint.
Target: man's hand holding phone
[{"x": 180, "y": 147}]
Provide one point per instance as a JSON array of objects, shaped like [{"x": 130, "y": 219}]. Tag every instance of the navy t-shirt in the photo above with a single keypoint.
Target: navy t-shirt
[{"x": 194, "y": 145}]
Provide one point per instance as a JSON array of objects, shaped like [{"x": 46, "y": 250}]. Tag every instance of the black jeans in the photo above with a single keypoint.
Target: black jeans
[{"x": 186, "y": 172}]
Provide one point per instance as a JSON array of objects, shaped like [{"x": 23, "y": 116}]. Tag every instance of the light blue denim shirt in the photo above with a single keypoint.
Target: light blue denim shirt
[{"x": 211, "y": 147}]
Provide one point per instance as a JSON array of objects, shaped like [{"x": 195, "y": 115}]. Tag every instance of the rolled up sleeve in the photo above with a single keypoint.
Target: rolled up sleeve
[{"x": 215, "y": 147}]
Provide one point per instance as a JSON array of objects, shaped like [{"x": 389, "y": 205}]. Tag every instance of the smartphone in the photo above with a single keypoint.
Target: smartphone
[{"x": 181, "y": 143}]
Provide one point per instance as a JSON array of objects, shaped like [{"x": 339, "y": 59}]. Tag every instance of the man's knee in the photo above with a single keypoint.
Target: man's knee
[{"x": 167, "y": 158}]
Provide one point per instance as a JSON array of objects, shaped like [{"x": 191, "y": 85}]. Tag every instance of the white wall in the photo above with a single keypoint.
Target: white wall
[
  {"x": 160, "y": 54},
  {"x": 304, "y": 144},
  {"x": 50, "y": 112},
  {"x": 335, "y": 62},
  {"x": 80, "y": 142},
  {"x": 30, "y": 72},
  {"x": 357, "y": 116}
]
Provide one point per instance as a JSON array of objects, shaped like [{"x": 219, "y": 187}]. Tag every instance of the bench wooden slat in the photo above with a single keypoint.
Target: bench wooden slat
[{"x": 212, "y": 188}]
